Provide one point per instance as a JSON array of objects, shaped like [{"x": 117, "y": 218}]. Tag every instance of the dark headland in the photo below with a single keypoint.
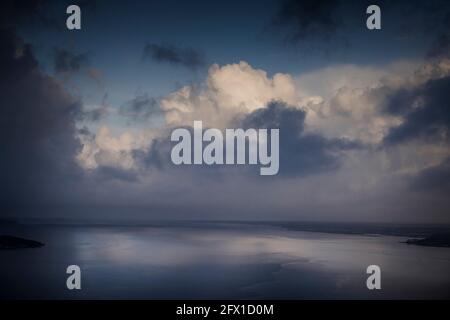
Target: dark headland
[
  {"x": 10, "y": 242},
  {"x": 435, "y": 240}
]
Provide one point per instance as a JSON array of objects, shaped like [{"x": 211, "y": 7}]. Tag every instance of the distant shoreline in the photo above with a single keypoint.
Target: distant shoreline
[
  {"x": 423, "y": 235},
  {"x": 413, "y": 231},
  {"x": 436, "y": 240}
]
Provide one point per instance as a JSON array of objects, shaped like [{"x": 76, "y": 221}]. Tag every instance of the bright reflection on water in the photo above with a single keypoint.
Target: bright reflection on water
[{"x": 221, "y": 261}]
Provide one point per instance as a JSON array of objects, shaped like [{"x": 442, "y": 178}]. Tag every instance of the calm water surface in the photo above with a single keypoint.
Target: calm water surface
[{"x": 218, "y": 261}]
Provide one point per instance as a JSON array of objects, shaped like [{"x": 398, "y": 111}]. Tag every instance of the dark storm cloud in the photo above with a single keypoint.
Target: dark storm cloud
[
  {"x": 37, "y": 130},
  {"x": 66, "y": 61},
  {"x": 40, "y": 13},
  {"x": 167, "y": 53},
  {"x": 308, "y": 18},
  {"x": 141, "y": 107},
  {"x": 425, "y": 111},
  {"x": 424, "y": 108},
  {"x": 300, "y": 153},
  {"x": 31, "y": 12},
  {"x": 434, "y": 179},
  {"x": 158, "y": 156}
]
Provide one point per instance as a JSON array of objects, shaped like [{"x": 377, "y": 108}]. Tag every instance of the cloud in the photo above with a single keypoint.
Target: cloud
[
  {"x": 433, "y": 179},
  {"x": 309, "y": 18},
  {"x": 68, "y": 62},
  {"x": 356, "y": 142},
  {"x": 33, "y": 12},
  {"x": 140, "y": 108},
  {"x": 376, "y": 106},
  {"x": 332, "y": 146},
  {"x": 168, "y": 53},
  {"x": 37, "y": 130},
  {"x": 320, "y": 168},
  {"x": 105, "y": 150},
  {"x": 229, "y": 90},
  {"x": 349, "y": 113},
  {"x": 92, "y": 115},
  {"x": 424, "y": 110},
  {"x": 300, "y": 153},
  {"x": 40, "y": 13},
  {"x": 331, "y": 22},
  {"x": 341, "y": 101},
  {"x": 106, "y": 173},
  {"x": 440, "y": 47}
]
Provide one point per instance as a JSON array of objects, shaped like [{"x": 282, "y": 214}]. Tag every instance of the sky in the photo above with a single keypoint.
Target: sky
[{"x": 86, "y": 115}]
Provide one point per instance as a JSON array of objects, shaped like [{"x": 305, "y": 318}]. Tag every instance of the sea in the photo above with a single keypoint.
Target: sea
[{"x": 223, "y": 260}]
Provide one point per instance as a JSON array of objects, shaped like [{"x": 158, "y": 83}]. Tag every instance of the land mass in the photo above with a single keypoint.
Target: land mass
[
  {"x": 435, "y": 240},
  {"x": 10, "y": 242}
]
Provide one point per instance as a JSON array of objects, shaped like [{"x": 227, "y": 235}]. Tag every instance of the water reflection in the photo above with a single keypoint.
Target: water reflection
[{"x": 233, "y": 262}]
